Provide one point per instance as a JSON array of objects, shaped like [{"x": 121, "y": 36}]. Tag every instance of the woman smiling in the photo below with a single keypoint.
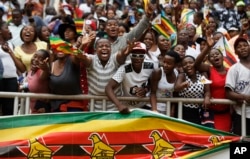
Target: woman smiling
[{"x": 26, "y": 51}]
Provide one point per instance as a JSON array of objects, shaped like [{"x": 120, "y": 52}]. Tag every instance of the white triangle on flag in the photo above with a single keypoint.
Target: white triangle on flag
[
  {"x": 157, "y": 20},
  {"x": 220, "y": 46}
]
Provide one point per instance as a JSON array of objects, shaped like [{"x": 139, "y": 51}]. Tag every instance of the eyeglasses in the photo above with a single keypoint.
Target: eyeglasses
[{"x": 138, "y": 56}]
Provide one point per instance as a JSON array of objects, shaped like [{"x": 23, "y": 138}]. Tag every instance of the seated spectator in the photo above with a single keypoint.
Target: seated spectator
[
  {"x": 238, "y": 84},
  {"x": 162, "y": 82},
  {"x": 133, "y": 78}
]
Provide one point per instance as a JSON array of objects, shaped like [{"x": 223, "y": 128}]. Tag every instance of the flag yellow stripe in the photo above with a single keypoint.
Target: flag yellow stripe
[{"x": 124, "y": 125}]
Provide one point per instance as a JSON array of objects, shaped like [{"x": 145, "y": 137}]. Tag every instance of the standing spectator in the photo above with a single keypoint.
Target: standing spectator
[
  {"x": 183, "y": 39},
  {"x": 217, "y": 74},
  {"x": 238, "y": 84},
  {"x": 43, "y": 33},
  {"x": 198, "y": 20},
  {"x": 50, "y": 14},
  {"x": 101, "y": 67},
  {"x": 123, "y": 28},
  {"x": 77, "y": 13},
  {"x": 38, "y": 81},
  {"x": 8, "y": 79},
  {"x": 164, "y": 45},
  {"x": 133, "y": 78},
  {"x": 189, "y": 85},
  {"x": 120, "y": 42},
  {"x": 87, "y": 6},
  {"x": 26, "y": 51},
  {"x": 192, "y": 34},
  {"x": 62, "y": 68},
  {"x": 162, "y": 82},
  {"x": 28, "y": 18},
  {"x": 179, "y": 48},
  {"x": 229, "y": 16},
  {"x": 241, "y": 9},
  {"x": 15, "y": 27},
  {"x": 153, "y": 50},
  {"x": 7, "y": 6},
  {"x": 65, "y": 66}
]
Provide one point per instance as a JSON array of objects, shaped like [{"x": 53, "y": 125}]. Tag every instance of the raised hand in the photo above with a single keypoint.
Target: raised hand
[
  {"x": 6, "y": 47},
  {"x": 44, "y": 65}
]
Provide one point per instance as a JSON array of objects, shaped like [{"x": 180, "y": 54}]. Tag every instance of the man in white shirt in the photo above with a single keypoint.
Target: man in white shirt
[{"x": 133, "y": 77}]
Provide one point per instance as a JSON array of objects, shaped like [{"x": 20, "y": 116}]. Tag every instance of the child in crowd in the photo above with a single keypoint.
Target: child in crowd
[{"x": 37, "y": 81}]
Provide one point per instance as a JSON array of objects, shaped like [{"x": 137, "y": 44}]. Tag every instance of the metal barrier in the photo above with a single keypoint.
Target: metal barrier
[{"x": 24, "y": 99}]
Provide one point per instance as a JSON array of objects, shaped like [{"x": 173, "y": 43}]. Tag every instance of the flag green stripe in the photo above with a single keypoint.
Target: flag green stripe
[
  {"x": 101, "y": 117},
  {"x": 168, "y": 24},
  {"x": 161, "y": 30}
]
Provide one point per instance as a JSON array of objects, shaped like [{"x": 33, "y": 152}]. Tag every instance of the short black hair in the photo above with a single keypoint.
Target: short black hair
[
  {"x": 175, "y": 55},
  {"x": 238, "y": 40},
  {"x": 189, "y": 56}
]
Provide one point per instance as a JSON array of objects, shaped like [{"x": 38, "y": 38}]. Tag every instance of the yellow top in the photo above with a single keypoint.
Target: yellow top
[{"x": 26, "y": 58}]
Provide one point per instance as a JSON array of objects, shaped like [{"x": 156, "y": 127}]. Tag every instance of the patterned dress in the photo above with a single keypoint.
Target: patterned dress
[{"x": 195, "y": 90}]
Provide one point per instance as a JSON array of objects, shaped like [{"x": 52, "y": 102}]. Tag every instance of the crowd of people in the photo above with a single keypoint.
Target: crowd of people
[{"x": 120, "y": 53}]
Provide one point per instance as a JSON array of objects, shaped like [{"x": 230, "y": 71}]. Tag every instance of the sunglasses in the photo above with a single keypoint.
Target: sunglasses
[{"x": 138, "y": 56}]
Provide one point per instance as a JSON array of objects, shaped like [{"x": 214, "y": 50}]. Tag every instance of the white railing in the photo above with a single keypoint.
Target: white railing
[{"x": 25, "y": 99}]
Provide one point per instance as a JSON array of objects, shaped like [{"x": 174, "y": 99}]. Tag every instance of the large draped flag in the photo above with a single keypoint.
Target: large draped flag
[
  {"x": 142, "y": 134},
  {"x": 59, "y": 45},
  {"x": 229, "y": 56},
  {"x": 164, "y": 26}
]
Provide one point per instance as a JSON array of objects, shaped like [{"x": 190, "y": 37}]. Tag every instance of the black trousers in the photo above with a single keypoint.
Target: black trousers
[{"x": 8, "y": 85}]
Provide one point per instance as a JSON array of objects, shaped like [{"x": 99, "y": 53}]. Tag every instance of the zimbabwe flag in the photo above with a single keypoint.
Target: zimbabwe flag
[{"x": 141, "y": 134}]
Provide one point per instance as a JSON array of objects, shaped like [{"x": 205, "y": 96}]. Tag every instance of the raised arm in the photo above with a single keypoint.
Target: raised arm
[
  {"x": 154, "y": 80},
  {"x": 122, "y": 55},
  {"x": 84, "y": 58},
  {"x": 143, "y": 25},
  {"x": 44, "y": 66},
  {"x": 199, "y": 65}
]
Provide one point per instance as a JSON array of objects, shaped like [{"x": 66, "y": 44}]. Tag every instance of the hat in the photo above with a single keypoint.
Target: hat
[
  {"x": 62, "y": 27},
  {"x": 103, "y": 19},
  {"x": 200, "y": 39},
  {"x": 240, "y": 3},
  {"x": 234, "y": 28},
  {"x": 92, "y": 24},
  {"x": 238, "y": 40},
  {"x": 140, "y": 47}
]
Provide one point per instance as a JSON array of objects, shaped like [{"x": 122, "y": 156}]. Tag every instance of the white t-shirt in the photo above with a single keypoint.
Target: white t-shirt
[
  {"x": 238, "y": 80},
  {"x": 130, "y": 80}
]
